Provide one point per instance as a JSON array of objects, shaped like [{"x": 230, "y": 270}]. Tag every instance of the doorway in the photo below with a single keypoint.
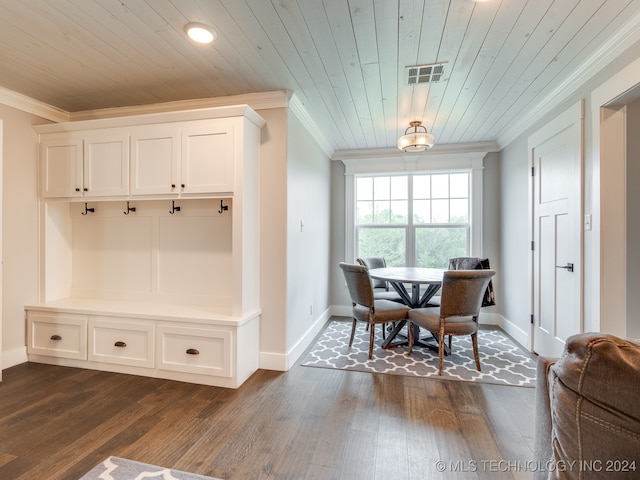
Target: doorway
[{"x": 613, "y": 287}]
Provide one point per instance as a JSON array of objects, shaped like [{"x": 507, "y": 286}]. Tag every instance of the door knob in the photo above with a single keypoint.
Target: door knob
[{"x": 568, "y": 266}]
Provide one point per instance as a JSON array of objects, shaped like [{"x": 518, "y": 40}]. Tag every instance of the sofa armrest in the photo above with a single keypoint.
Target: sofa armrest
[{"x": 542, "y": 446}]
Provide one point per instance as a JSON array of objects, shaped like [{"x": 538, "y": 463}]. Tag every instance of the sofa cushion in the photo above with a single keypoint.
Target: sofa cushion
[{"x": 595, "y": 408}]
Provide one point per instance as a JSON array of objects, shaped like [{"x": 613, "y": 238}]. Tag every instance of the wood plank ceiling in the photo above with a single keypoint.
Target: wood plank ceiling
[{"x": 343, "y": 59}]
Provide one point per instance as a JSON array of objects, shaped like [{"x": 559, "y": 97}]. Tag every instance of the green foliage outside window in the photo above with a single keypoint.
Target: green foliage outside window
[{"x": 438, "y": 227}]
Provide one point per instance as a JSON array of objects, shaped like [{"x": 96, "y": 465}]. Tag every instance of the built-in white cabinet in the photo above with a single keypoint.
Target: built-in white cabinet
[
  {"x": 191, "y": 158},
  {"x": 149, "y": 245},
  {"x": 155, "y": 160},
  {"x": 84, "y": 164}
]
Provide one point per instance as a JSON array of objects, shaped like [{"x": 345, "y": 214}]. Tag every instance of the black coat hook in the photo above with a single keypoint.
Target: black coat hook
[
  {"x": 129, "y": 209},
  {"x": 87, "y": 210},
  {"x": 223, "y": 208},
  {"x": 174, "y": 209}
]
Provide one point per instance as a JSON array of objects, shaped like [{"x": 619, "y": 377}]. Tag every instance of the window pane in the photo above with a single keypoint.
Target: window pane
[
  {"x": 435, "y": 246},
  {"x": 364, "y": 188},
  {"x": 440, "y": 211},
  {"x": 459, "y": 211},
  {"x": 422, "y": 186},
  {"x": 399, "y": 188},
  {"x": 381, "y": 212},
  {"x": 440, "y": 186},
  {"x": 459, "y": 185},
  {"x": 365, "y": 212},
  {"x": 399, "y": 211},
  {"x": 422, "y": 211},
  {"x": 381, "y": 188},
  {"x": 383, "y": 242}
]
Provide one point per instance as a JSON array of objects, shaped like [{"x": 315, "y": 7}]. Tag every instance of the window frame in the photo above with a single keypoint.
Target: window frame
[{"x": 444, "y": 163}]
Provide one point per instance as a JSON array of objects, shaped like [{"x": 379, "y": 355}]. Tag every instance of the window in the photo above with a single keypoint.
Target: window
[{"x": 414, "y": 219}]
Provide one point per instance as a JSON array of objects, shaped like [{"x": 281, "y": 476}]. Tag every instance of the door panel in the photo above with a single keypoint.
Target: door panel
[{"x": 556, "y": 156}]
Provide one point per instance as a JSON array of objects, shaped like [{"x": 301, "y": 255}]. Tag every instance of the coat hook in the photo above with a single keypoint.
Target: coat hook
[
  {"x": 174, "y": 209},
  {"x": 87, "y": 210},
  {"x": 223, "y": 208},
  {"x": 129, "y": 209}
]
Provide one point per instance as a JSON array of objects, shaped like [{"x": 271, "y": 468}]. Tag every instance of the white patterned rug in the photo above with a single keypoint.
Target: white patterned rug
[
  {"x": 502, "y": 361},
  {"x": 115, "y": 468}
]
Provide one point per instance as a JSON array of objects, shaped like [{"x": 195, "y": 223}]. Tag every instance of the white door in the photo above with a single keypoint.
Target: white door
[{"x": 556, "y": 161}]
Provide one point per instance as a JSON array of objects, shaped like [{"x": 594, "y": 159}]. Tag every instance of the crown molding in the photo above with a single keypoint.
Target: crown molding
[
  {"x": 472, "y": 150},
  {"x": 298, "y": 109},
  {"x": 30, "y": 105},
  {"x": 623, "y": 38},
  {"x": 257, "y": 101}
]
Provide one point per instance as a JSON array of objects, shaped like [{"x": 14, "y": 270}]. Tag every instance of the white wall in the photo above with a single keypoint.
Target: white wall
[
  {"x": 514, "y": 251},
  {"x": 308, "y": 237},
  {"x": 294, "y": 187},
  {"x": 273, "y": 238},
  {"x": 19, "y": 229},
  {"x": 514, "y": 302}
]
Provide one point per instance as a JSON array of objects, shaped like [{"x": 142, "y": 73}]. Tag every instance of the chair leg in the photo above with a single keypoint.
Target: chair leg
[
  {"x": 353, "y": 332},
  {"x": 450, "y": 337},
  {"x": 441, "y": 348},
  {"x": 474, "y": 342},
  {"x": 410, "y": 339},
  {"x": 372, "y": 335}
]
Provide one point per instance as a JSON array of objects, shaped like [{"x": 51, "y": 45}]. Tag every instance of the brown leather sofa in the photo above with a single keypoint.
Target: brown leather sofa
[{"x": 588, "y": 410}]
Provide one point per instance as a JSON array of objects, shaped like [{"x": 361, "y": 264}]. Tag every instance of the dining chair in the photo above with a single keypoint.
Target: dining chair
[
  {"x": 365, "y": 307},
  {"x": 475, "y": 263},
  {"x": 460, "y": 302},
  {"x": 381, "y": 290}
]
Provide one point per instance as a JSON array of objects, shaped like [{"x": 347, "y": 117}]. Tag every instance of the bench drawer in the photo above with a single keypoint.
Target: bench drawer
[
  {"x": 194, "y": 350},
  {"x": 122, "y": 343},
  {"x": 63, "y": 336}
]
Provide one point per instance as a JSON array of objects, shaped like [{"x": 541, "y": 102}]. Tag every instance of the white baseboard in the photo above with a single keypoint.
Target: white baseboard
[
  {"x": 521, "y": 336},
  {"x": 14, "y": 357},
  {"x": 284, "y": 361}
]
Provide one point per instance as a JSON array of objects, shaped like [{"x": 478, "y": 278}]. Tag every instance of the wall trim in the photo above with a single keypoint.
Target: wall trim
[
  {"x": 30, "y": 105},
  {"x": 257, "y": 101},
  {"x": 16, "y": 356},
  {"x": 624, "y": 38},
  {"x": 284, "y": 361},
  {"x": 297, "y": 108}
]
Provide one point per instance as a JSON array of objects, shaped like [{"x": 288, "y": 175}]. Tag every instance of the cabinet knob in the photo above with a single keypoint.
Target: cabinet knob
[
  {"x": 77, "y": 189},
  {"x": 192, "y": 351},
  {"x": 173, "y": 185},
  {"x": 86, "y": 189},
  {"x": 119, "y": 344},
  {"x": 56, "y": 337},
  {"x": 183, "y": 185}
]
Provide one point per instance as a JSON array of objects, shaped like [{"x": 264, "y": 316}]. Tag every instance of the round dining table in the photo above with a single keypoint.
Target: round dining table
[
  {"x": 397, "y": 277},
  {"x": 416, "y": 276}
]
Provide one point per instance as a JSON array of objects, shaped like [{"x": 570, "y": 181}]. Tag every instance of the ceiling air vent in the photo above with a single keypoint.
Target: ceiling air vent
[{"x": 418, "y": 74}]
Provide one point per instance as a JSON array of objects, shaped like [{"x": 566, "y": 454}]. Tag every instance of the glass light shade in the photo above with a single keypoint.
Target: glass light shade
[
  {"x": 200, "y": 33},
  {"x": 416, "y": 141}
]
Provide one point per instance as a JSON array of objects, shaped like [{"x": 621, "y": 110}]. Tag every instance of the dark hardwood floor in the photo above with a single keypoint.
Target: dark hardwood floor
[{"x": 307, "y": 423}]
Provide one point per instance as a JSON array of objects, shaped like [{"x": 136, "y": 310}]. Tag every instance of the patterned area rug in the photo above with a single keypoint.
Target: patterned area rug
[
  {"x": 114, "y": 468},
  {"x": 502, "y": 361}
]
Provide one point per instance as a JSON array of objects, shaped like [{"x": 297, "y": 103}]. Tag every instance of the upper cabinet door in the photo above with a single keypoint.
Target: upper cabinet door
[
  {"x": 61, "y": 166},
  {"x": 155, "y": 155},
  {"x": 207, "y": 158},
  {"x": 106, "y": 164}
]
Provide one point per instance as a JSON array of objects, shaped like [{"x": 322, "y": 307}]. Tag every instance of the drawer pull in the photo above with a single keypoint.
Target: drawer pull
[
  {"x": 192, "y": 351},
  {"x": 56, "y": 337},
  {"x": 119, "y": 344}
]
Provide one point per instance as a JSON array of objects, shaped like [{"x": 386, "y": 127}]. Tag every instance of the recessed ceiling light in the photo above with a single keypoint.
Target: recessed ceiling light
[{"x": 200, "y": 33}]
